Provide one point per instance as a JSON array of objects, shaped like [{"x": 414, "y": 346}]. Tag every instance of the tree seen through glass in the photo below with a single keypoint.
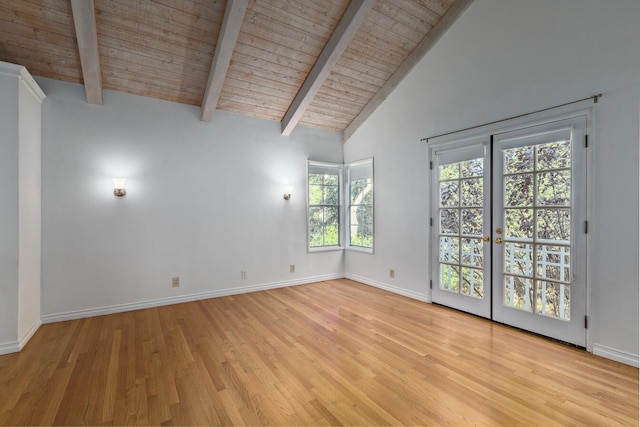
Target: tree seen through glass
[
  {"x": 361, "y": 213},
  {"x": 324, "y": 210},
  {"x": 537, "y": 215},
  {"x": 461, "y": 227}
]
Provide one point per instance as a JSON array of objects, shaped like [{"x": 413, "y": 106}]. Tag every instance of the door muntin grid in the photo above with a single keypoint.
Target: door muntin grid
[
  {"x": 460, "y": 227},
  {"x": 537, "y": 204}
]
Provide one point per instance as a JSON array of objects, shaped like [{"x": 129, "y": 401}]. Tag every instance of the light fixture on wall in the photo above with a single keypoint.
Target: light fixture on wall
[
  {"x": 287, "y": 193},
  {"x": 118, "y": 187}
]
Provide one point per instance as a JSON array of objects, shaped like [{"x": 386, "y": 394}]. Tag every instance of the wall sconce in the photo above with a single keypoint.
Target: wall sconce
[
  {"x": 287, "y": 193},
  {"x": 118, "y": 187}
]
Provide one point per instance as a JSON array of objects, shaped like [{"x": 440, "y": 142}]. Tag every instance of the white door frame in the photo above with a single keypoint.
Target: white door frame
[
  {"x": 471, "y": 148},
  {"x": 539, "y": 118}
]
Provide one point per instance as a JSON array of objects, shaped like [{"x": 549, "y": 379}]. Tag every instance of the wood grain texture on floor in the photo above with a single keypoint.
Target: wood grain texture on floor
[{"x": 328, "y": 353}]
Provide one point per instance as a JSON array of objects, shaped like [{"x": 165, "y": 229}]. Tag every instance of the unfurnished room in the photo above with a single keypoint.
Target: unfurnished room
[{"x": 333, "y": 212}]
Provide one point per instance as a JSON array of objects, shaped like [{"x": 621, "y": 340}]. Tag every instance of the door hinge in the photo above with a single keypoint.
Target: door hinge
[
  {"x": 430, "y": 222},
  {"x": 431, "y": 165},
  {"x": 586, "y": 227},
  {"x": 430, "y": 284},
  {"x": 586, "y": 141},
  {"x": 586, "y": 321}
]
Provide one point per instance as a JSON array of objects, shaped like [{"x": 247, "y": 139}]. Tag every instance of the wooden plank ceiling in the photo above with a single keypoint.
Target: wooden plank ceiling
[{"x": 165, "y": 49}]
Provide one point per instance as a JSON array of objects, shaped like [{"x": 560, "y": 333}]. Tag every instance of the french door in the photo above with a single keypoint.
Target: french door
[
  {"x": 508, "y": 227},
  {"x": 461, "y": 248}
]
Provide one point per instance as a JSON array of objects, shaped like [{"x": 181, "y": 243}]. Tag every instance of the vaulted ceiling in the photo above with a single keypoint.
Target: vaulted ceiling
[{"x": 318, "y": 63}]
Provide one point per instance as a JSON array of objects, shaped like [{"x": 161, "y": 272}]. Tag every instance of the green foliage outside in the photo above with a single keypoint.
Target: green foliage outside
[
  {"x": 324, "y": 210},
  {"x": 537, "y": 226},
  {"x": 361, "y": 213}
]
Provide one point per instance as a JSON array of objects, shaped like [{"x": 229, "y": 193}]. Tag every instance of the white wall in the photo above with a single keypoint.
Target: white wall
[
  {"x": 500, "y": 59},
  {"x": 204, "y": 201},
  {"x": 29, "y": 207},
  {"x": 9, "y": 148},
  {"x": 20, "y": 236}
]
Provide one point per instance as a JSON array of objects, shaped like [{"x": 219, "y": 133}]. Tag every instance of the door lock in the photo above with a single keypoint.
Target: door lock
[{"x": 498, "y": 230}]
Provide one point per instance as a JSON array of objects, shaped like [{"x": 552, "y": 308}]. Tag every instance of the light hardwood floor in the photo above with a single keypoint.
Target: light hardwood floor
[{"x": 328, "y": 353}]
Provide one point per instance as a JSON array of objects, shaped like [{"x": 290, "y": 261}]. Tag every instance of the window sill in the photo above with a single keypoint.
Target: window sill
[
  {"x": 359, "y": 249},
  {"x": 325, "y": 249}
]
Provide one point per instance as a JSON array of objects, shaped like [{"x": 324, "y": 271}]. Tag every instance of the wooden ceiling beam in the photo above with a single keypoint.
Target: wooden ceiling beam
[
  {"x": 229, "y": 31},
  {"x": 84, "y": 19},
  {"x": 432, "y": 37},
  {"x": 337, "y": 43}
]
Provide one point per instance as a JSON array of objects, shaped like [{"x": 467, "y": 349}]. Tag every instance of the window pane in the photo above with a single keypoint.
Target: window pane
[
  {"x": 553, "y": 299},
  {"x": 449, "y": 221},
  {"x": 518, "y": 160},
  {"x": 449, "y": 277},
  {"x": 331, "y": 237},
  {"x": 449, "y": 193},
  {"x": 315, "y": 194},
  {"x": 518, "y": 258},
  {"x": 554, "y": 188},
  {"x": 553, "y": 262},
  {"x": 554, "y": 155},
  {"x": 316, "y": 226},
  {"x": 517, "y": 292},
  {"x": 360, "y": 210},
  {"x": 450, "y": 249},
  {"x": 471, "y": 190},
  {"x": 323, "y": 186},
  {"x": 361, "y": 215},
  {"x": 518, "y": 223},
  {"x": 361, "y": 193},
  {"x": 450, "y": 171},
  {"x": 554, "y": 224},
  {"x": 331, "y": 215},
  {"x": 472, "y": 250},
  {"x": 471, "y": 168},
  {"x": 331, "y": 180},
  {"x": 472, "y": 221},
  {"x": 315, "y": 179},
  {"x": 518, "y": 190},
  {"x": 361, "y": 236},
  {"x": 472, "y": 282},
  {"x": 331, "y": 195}
]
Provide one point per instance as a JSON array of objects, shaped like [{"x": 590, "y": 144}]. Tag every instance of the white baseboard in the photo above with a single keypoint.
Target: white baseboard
[
  {"x": 617, "y": 355},
  {"x": 9, "y": 347},
  {"x": 119, "y": 308},
  {"x": 16, "y": 346},
  {"x": 410, "y": 294},
  {"x": 27, "y": 335}
]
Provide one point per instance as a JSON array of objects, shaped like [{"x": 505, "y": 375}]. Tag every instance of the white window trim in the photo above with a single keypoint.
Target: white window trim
[
  {"x": 347, "y": 192},
  {"x": 340, "y": 245},
  {"x": 344, "y": 197}
]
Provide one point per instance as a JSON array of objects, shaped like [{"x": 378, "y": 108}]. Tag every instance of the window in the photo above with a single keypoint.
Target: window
[
  {"x": 360, "y": 209},
  {"x": 324, "y": 202},
  {"x": 326, "y": 209}
]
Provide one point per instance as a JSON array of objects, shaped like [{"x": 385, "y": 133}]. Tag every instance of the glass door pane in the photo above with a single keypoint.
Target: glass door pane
[
  {"x": 539, "y": 185},
  {"x": 461, "y": 272}
]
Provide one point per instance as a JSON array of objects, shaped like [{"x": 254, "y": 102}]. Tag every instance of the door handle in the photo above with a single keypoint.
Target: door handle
[
  {"x": 486, "y": 239},
  {"x": 498, "y": 240}
]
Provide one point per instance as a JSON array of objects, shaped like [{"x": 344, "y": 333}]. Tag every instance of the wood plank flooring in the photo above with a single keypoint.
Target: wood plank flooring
[{"x": 328, "y": 353}]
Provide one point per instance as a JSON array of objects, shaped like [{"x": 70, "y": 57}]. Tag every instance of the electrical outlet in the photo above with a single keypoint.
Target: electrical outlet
[
  {"x": 292, "y": 268},
  {"x": 176, "y": 282},
  {"x": 392, "y": 272},
  {"x": 243, "y": 274}
]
